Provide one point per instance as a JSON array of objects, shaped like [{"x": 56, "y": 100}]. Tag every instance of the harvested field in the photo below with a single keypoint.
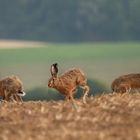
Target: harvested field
[
  {"x": 14, "y": 44},
  {"x": 105, "y": 117}
]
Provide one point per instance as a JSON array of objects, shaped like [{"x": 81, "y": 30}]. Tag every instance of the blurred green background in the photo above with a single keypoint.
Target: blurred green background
[
  {"x": 102, "y": 62},
  {"x": 102, "y": 37},
  {"x": 70, "y": 20}
]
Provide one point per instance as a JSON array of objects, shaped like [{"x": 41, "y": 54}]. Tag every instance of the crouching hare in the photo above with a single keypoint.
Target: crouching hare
[
  {"x": 126, "y": 83},
  {"x": 11, "y": 89},
  {"x": 68, "y": 82}
]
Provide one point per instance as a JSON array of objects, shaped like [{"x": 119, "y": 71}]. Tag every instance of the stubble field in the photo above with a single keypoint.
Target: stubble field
[{"x": 104, "y": 117}]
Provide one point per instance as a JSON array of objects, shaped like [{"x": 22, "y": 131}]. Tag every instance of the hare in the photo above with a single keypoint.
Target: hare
[
  {"x": 68, "y": 82},
  {"x": 126, "y": 83},
  {"x": 11, "y": 88}
]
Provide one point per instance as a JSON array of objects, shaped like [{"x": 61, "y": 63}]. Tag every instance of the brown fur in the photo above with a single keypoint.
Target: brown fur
[
  {"x": 11, "y": 88},
  {"x": 126, "y": 83},
  {"x": 68, "y": 82}
]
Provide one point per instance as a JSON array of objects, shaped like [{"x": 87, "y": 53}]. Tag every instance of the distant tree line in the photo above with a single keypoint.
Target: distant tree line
[{"x": 70, "y": 20}]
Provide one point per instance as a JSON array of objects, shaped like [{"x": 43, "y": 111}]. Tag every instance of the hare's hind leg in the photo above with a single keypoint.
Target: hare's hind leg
[
  {"x": 7, "y": 96},
  {"x": 86, "y": 91}
]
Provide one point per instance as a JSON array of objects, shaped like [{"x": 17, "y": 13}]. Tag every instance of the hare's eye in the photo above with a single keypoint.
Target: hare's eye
[{"x": 53, "y": 79}]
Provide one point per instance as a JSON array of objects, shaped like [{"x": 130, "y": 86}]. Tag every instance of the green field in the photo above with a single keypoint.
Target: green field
[
  {"x": 101, "y": 61},
  {"x": 71, "y": 52}
]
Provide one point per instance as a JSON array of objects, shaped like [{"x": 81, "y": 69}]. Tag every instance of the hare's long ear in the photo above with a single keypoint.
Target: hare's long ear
[{"x": 54, "y": 70}]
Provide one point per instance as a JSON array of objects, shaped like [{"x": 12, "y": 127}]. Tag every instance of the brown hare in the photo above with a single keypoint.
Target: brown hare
[
  {"x": 11, "y": 89},
  {"x": 126, "y": 83},
  {"x": 68, "y": 82}
]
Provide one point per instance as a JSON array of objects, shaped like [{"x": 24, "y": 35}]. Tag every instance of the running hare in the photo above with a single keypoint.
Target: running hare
[{"x": 68, "y": 82}]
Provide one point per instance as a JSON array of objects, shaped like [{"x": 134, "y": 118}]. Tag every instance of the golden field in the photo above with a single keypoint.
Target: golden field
[{"x": 104, "y": 117}]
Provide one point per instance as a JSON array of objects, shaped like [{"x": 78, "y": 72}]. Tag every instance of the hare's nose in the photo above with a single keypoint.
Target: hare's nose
[{"x": 49, "y": 85}]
